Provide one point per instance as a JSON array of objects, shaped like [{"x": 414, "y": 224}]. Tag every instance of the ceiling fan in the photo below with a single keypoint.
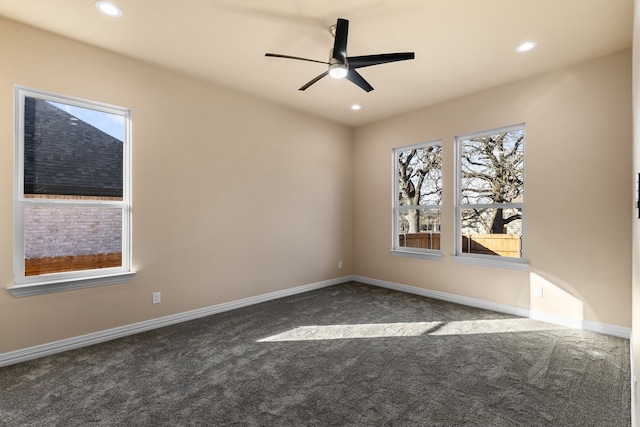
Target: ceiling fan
[{"x": 343, "y": 66}]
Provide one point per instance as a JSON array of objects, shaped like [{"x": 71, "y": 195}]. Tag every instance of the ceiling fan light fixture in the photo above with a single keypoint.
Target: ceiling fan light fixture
[
  {"x": 526, "y": 46},
  {"x": 338, "y": 71},
  {"x": 108, "y": 8}
]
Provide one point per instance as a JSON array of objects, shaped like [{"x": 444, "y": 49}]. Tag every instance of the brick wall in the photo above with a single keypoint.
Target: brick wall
[{"x": 55, "y": 231}]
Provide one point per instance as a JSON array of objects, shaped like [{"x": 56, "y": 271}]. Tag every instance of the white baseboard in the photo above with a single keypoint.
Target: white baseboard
[
  {"x": 570, "y": 322},
  {"x": 42, "y": 350},
  {"x": 606, "y": 329},
  {"x": 471, "y": 302}
]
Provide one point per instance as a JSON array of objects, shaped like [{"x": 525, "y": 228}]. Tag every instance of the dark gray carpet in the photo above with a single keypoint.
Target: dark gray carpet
[{"x": 347, "y": 355}]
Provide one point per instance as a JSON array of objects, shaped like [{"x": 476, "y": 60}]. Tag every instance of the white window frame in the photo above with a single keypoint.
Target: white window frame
[
  {"x": 482, "y": 259},
  {"x": 396, "y": 249},
  {"x": 56, "y": 282}
]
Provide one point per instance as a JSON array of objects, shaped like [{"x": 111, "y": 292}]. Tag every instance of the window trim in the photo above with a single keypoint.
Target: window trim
[
  {"x": 482, "y": 259},
  {"x": 56, "y": 282},
  {"x": 396, "y": 249}
]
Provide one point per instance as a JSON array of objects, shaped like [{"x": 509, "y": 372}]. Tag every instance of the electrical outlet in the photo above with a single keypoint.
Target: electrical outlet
[
  {"x": 537, "y": 291},
  {"x": 339, "y": 264},
  {"x": 156, "y": 298}
]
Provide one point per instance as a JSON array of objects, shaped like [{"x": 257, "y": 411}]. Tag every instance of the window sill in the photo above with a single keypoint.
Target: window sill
[
  {"x": 69, "y": 284},
  {"x": 432, "y": 255},
  {"x": 495, "y": 263}
]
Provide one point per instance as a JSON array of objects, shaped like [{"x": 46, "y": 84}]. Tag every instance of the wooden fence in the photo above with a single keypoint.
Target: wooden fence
[
  {"x": 35, "y": 266},
  {"x": 420, "y": 240},
  {"x": 508, "y": 245}
]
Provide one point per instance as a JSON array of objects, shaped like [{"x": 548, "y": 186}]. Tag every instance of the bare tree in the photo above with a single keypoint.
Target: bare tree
[
  {"x": 420, "y": 180},
  {"x": 492, "y": 173}
]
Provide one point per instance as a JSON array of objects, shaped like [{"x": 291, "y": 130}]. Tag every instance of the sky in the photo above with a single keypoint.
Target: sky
[{"x": 113, "y": 124}]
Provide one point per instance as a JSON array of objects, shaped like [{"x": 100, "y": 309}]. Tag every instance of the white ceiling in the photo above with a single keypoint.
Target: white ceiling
[{"x": 461, "y": 46}]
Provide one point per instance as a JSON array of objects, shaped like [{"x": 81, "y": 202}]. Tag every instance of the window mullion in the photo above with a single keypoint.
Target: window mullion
[
  {"x": 492, "y": 205},
  {"x": 74, "y": 203}
]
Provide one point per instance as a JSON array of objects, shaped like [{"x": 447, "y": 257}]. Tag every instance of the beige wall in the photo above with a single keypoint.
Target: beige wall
[
  {"x": 577, "y": 169},
  {"x": 635, "y": 338},
  {"x": 232, "y": 196}
]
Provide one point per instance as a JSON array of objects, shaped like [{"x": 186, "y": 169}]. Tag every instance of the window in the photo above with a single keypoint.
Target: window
[
  {"x": 71, "y": 198},
  {"x": 490, "y": 196},
  {"x": 417, "y": 200}
]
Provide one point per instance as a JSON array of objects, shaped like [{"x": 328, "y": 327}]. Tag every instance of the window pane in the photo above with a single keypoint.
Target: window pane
[
  {"x": 492, "y": 232},
  {"x": 66, "y": 155},
  {"x": 61, "y": 239},
  {"x": 492, "y": 168},
  {"x": 420, "y": 176},
  {"x": 419, "y": 228}
]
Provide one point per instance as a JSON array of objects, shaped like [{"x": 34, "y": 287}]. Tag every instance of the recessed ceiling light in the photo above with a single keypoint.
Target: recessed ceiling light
[
  {"x": 108, "y": 8},
  {"x": 523, "y": 47},
  {"x": 355, "y": 107}
]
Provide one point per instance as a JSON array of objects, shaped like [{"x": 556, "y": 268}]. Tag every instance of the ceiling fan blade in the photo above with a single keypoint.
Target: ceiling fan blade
[
  {"x": 314, "y": 80},
  {"x": 340, "y": 42},
  {"x": 354, "y": 77},
  {"x": 383, "y": 58},
  {"x": 277, "y": 55}
]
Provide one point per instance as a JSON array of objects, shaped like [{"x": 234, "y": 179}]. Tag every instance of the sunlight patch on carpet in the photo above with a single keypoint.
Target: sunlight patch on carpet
[
  {"x": 410, "y": 329},
  {"x": 336, "y": 332}
]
